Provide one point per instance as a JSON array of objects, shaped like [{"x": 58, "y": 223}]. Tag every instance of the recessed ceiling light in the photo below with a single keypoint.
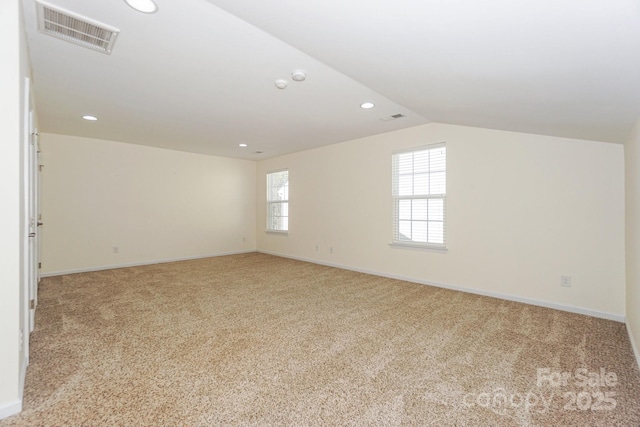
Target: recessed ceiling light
[
  {"x": 144, "y": 6},
  {"x": 90, "y": 118},
  {"x": 367, "y": 105},
  {"x": 281, "y": 84},
  {"x": 242, "y": 145}
]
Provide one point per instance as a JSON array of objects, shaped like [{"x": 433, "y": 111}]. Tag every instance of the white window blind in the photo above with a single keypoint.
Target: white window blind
[
  {"x": 419, "y": 196},
  {"x": 278, "y": 201}
]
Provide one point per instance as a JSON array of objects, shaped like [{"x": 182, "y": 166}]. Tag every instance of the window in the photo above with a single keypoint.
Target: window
[
  {"x": 419, "y": 193},
  {"x": 278, "y": 201}
]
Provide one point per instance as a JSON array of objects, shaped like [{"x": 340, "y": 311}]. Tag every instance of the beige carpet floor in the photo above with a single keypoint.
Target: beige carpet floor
[{"x": 257, "y": 340}]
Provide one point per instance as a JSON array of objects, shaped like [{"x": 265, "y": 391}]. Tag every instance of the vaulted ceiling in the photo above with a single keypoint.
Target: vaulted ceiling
[{"x": 198, "y": 75}]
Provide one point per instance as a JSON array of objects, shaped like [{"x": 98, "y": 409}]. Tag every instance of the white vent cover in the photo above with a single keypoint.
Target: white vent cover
[
  {"x": 75, "y": 28},
  {"x": 392, "y": 117}
]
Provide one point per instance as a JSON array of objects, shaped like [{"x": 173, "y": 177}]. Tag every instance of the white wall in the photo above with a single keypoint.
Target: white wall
[
  {"x": 632, "y": 169},
  {"x": 522, "y": 211},
  {"x": 153, "y": 204},
  {"x": 13, "y": 54}
]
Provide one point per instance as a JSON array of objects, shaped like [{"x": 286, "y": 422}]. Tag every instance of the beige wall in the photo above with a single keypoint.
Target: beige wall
[
  {"x": 632, "y": 168},
  {"x": 153, "y": 204},
  {"x": 14, "y": 69},
  {"x": 522, "y": 211}
]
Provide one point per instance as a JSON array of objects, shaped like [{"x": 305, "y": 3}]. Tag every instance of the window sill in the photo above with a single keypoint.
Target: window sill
[
  {"x": 437, "y": 249},
  {"x": 278, "y": 232}
]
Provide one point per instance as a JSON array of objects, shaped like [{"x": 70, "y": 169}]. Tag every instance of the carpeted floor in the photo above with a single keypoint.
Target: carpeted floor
[{"x": 257, "y": 340}]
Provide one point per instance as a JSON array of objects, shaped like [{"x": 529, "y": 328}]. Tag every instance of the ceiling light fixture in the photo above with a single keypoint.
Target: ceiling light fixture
[
  {"x": 298, "y": 75},
  {"x": 281, "y": 84},
  {"x": 90, "y": 118},
  {"x": 367, "y": 105},
  {"x": 144, "y": 6},
  {"x": 242, "y": 145}
]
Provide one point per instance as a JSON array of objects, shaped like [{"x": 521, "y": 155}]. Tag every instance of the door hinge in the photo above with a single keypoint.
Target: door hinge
[
  {"x": 32, "y": 304},
  {"x": 39, "y": 265},
  {"x": 40, "y": 167}
]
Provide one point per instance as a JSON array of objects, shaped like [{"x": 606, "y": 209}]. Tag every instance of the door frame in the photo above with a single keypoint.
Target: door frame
[{"x": 30, "y": 219}]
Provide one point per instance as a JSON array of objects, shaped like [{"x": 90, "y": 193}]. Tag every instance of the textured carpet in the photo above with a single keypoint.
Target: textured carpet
[{"x": 258, "y": 340}]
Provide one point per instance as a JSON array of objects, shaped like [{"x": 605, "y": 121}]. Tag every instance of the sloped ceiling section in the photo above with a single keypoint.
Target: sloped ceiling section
[
  {"x": 199, "y": 75},
  {"x": 566, "y": 67}
]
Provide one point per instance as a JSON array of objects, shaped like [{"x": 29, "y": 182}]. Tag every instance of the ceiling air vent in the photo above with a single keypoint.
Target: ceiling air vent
[
  {"x": 75, "y": 28},
  {"x": 393, "y": 117}
]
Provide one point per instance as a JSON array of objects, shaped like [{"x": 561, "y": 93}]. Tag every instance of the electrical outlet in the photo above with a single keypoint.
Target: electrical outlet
[
  {"x": 565, "y": 281},
  {"x": 244, "y": 239},
  {"x": 116, "y": 249},
  {"x": 330, "y": 249},
  {"x": 316, "y": 248}
]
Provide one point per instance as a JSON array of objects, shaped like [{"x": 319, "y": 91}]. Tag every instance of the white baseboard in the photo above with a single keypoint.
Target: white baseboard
[
  {"x": 137, "y": 264},
  {"x": 633, "y": 344},
  {"x": 530, "y": 301},
  {"x": 15, "y": 407},
  {"x": 508, "y": 297},
  {"x": 10, "y": 408}
]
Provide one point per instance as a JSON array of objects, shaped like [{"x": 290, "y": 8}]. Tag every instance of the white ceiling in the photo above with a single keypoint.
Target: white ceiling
[{"x": 199, "y": 75}]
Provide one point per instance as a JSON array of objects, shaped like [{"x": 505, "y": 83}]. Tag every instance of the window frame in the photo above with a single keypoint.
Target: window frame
[
  {"x": 270, "y": 202},
  {"x": 396, "y": 241}
]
